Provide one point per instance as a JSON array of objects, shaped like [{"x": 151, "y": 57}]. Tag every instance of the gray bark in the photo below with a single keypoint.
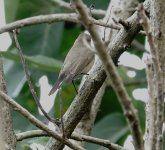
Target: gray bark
[{"x": 7, "y": 135}]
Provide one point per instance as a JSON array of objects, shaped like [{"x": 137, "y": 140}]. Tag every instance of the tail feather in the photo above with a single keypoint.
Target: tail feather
[
  {"x": 55, "y": 87},
  {"x": 57, "y": 84}
]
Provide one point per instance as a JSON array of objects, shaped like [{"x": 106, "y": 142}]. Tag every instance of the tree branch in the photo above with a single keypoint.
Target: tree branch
[
  {"x": 151, "y": 112},
  {"x": 128, "y": 108},
  {"x": 72, "y": 17},
  {"x": 154, "y": 30},
  {"x": 39, "y": 133},
  {"x": 94, "y": 81},
  {"x": 106, "y": 143},
  {"x": 30, "y": 134},
  {"x": 37, "y": 122},
  {"x": 135, "y": 82},
  {"x": 7, "y": 135},
  {"x": 84, "y": 127},
  {"x": 158, "y": 32},
  {"x": 66, "y": 5},
  {"x": 34, "y": 94}
]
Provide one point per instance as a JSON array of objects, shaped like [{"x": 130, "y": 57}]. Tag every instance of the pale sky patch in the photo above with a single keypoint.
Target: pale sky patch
[{"x": 5, "y": 40}]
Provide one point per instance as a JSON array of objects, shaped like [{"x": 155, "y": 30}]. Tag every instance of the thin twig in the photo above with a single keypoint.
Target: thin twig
[
  {"x": 72, "y": 17},
  {"x": 30, "y": 134},
  {"x": 91, "y": 7},
  {"x": 106, "y": 143},
  {"x": 136, "y": 44},
  {"x": 84, "y": 127},
  {"x": 145, "y": 24},
  {"x": 61, "y": 3},
  {"x": 39, "y": 133},
  {"x": 66, "y": 5},
  {"x": 107, "y": 22},
  {"x": 61, "y": 113},
  {"x": 37, "y": 122},
  {"x": 128, "y": 108},
  {"x": 28, "y": 78},
  {"x": 124, "y": 24},
  {"x": 135, "y": 82}
]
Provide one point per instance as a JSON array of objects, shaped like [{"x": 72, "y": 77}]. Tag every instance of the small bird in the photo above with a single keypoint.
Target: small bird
[{"x": 79, "y": 60}]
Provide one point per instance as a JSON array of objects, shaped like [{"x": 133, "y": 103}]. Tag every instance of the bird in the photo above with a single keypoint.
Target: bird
[{"x": 79, "y": 60}]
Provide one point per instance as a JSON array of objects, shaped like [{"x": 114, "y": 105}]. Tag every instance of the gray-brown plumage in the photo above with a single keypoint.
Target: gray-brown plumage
[{"x": 78, "y": 61}]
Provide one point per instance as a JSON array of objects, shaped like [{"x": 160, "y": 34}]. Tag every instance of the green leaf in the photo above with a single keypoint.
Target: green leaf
[
  {"x": 140, "y": 106},
  {"x": 14, "y": 77},
  {"x": 46, "y": 63},
  {"x": 19, "y": 9},
  {"x": 43, "y": 39},
  {"x": 26, "y": 147},
  {"x": 67, "y": 95},
  {"x": 69, "y": 36},
  {"x": 112, "y": 127},
  {"x": 26, "y": 100},
  {"x": 36, "y": 41},
  {"x": 38, "y": 62},
  {"x": 10, "y": 10},
  {"x": 45, "y": 42},
  {"x": 109, "y": 105}
]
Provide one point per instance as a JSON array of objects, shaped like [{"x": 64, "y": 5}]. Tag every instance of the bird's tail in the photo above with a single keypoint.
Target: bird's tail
[{"x": 57, "y": 84}]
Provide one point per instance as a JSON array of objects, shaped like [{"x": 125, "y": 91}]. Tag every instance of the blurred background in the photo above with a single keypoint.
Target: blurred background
[{"x": 45, "y": 47}]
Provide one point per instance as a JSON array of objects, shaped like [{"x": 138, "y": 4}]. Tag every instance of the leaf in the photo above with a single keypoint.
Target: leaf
[
  {"x": 38, "y": 61},
  {"x": 140, "y": 106},
  {"x": 70, "y": 34},
  {"x": 10, "y": 10},
  {"x": 26, "y": 100},
  {"x": 45, "y": 63},
  {"x": 109, "y": 105},
  {"x": 66, "y": 97},
  {"x": 14, "y": 77},
  {"x": 42, "y": 39},
  {"x": 112, "y": 127},
  {"x": 19, "y": 9}
]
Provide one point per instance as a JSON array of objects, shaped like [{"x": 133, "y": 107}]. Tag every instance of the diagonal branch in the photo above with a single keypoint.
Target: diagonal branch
[
  {"x": 34, "y": 94},
  {"x": 84, "y": 127},
  {"x": 37, "y": 122},
  {"x": 125, "y": 100},
  {"x": 82, "y": 101}
]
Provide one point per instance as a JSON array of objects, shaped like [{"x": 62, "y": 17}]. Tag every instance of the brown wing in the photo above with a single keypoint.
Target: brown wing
[
  {"x": 78, "y": 63},
  {"x": 77, "y": 59}
]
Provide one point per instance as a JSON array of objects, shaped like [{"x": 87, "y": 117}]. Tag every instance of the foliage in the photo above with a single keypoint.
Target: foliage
[{"x": 45, "y": 47}]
